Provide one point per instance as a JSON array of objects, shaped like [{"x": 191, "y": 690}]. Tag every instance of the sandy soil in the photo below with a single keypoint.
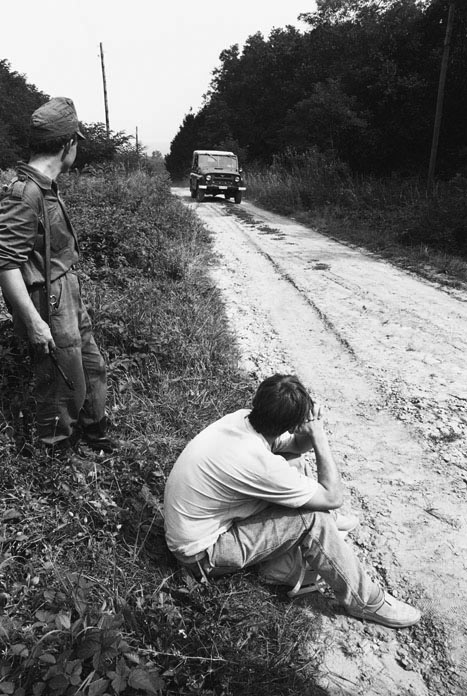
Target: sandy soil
[{"x": 385, "y": 352}]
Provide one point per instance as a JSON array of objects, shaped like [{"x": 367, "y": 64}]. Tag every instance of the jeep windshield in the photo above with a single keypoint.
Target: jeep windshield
[{"x": 218, "y": 162}]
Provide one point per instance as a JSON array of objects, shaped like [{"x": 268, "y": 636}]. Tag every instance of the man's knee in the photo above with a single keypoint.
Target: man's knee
[{"x": 319, "y": 523}]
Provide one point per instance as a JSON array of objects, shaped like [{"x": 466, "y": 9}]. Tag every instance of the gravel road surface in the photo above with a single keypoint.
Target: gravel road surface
[{"x": 386, "y": 353}]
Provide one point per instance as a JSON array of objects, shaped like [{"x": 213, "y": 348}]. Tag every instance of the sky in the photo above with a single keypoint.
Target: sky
[{"x": 159, "y": 56}]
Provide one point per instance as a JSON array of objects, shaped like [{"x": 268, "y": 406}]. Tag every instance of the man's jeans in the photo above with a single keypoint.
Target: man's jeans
[
  {"x": 276, "y": 531},
  {"x": 61, "y": 411}
]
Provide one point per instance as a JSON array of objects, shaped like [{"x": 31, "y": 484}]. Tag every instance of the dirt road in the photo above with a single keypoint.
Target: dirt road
[{"x": 386, "y": 353}]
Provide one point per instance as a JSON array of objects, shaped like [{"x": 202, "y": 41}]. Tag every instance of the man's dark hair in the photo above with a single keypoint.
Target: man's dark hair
[
  {"x": 49, "y": 147},
  {"x": 281, "y": 403}
]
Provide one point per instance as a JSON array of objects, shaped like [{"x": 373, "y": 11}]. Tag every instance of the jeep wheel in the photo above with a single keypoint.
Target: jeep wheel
[
  {"x": 238, "y": 196},
  {"x": 199, "y": 195},
  {"x": 227, "y": 196}
]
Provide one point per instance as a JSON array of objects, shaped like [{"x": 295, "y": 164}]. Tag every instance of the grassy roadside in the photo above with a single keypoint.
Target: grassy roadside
[
  {"x": 90, "y": 600},
  {"x": 393, "y": 218}
]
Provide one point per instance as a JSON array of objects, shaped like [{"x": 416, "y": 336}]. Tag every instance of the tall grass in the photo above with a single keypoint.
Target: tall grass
[
  {"x": 91, "y": 602},
  {"x": 391, "y": 216}
]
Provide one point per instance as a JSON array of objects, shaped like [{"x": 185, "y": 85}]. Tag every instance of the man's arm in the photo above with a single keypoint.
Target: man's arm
[
  {"x": 329, "y": 494},
  {"x": 300, "y": 443},
  {"x": 18, "y": 228},
  {"x": 15, "y": 291}
]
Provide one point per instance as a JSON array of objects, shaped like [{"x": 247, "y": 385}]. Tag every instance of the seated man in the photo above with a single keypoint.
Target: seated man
[{"x": 232, "y": 501}]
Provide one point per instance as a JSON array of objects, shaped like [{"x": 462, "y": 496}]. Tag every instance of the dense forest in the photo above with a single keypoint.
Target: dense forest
[
  {"x": 360, "y": 81},
  {"x": 18, "y": 100}
]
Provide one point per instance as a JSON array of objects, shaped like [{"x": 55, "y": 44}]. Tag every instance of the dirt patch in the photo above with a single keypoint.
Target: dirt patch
[{"x": 385, "y": 352}]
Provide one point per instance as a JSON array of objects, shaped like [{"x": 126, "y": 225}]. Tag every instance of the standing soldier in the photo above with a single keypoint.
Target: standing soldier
[{"x": 38, "y": 253}]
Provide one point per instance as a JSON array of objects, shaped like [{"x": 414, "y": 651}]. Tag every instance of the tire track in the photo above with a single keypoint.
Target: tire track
[{"x": 414, "y": 530}]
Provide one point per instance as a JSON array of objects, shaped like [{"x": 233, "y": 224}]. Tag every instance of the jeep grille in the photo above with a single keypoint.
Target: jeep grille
[{"x": 223, "y": 179}]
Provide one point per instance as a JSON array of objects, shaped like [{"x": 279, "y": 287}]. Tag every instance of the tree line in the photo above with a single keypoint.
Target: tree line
[
  {"x": 18, "y": 99},
  {"x": 359, "y": 82}
]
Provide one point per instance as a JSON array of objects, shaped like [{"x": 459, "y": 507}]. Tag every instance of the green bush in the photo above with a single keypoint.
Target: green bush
[{"x": 392, "y": 216}]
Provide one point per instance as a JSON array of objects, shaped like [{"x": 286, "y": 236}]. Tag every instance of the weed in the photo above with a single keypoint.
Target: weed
[
  {"x": 392, "y": 217},
  {"x": 91, "y": 601}
]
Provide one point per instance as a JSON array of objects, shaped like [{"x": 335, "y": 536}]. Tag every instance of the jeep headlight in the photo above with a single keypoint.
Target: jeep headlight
[
  {"x": 209, "y": 177},
  {"x": 237, "y": 179}
]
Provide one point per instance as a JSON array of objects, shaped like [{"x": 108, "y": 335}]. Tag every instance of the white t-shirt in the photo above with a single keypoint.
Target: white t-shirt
[{"x": 227, "y": 472}]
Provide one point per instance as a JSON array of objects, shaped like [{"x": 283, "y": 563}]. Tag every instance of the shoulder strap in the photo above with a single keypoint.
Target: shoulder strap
[
  {"x": 14, "y": 189},
  {"x": 17, "y": 188},
  {"x": 47, "y": 272}
]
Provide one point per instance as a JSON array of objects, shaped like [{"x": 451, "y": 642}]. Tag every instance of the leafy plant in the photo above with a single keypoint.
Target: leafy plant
[
  {"x": 91, "y": 601},
  {"x": 392, "y": 217}
]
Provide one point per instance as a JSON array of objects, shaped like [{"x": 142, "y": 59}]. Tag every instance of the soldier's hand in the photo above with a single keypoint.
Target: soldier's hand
[{"x": 41, "y": 338}]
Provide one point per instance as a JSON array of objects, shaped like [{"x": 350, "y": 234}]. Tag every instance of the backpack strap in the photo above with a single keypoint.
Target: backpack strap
[{"x": 47, "y": 271}]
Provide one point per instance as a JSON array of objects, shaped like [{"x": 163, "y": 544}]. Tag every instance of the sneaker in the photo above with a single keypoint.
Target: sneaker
[{"x": 390, "y": 612}]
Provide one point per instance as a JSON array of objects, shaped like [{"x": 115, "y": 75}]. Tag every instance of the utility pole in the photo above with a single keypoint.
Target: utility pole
[
  {"x": 107, "y": 126},
  {"x": 137, "y": 148},
  {"x": 440, "y": 99}
]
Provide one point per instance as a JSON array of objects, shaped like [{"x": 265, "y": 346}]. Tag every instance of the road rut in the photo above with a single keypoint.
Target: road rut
[{"x": 385, "y": 352}]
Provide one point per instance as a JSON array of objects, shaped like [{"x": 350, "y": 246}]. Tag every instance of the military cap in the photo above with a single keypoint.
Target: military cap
[{"x": 55, "y": 119}]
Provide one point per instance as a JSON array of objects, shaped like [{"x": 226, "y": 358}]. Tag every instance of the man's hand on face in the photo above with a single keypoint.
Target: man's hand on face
[
  {"x": 40, "y": 338},
  {"x": 313, "y": 425}
]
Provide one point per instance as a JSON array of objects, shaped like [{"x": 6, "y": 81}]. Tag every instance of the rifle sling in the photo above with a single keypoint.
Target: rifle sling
[{"x": 47, "y": 271}]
